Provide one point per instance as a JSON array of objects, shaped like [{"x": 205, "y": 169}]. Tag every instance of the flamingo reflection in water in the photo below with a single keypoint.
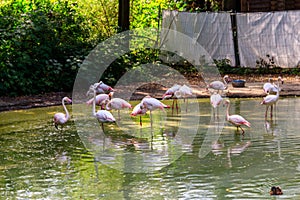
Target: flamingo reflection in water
[{"x": 273, "y": 133}]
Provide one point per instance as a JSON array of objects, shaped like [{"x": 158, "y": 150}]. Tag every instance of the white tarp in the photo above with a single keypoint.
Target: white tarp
[
  {"x": 275, "y": 34},
  {"x": 211, "y": 30}
]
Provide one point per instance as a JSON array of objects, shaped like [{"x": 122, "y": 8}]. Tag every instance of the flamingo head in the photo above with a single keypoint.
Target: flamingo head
[
  {"x": 227, "y": 102},
  {"x": 67, "y": 99},
  {"x": 110, "y": 95},
  {"x": 227, "y": 79},
  {"x": 280, "y": 79}
]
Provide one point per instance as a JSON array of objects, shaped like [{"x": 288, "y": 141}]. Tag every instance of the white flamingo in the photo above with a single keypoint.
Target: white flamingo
[
  {"x": 103, "y": 116},
  {"x": 270, "y": 87},
  {"x": 100, "y": 100},
  {"x": 61, "y": 118},
  {"x": 117, "y": 104},
  {"x": 219, "y": 85},
  {"x": 151, "y": 104},
  {"x": 170, "y": 94},
  {"x": 236, "y": 120},
  {"x": 215, "y": 100},
  {"x": 269, "y": 101},
  {"x": 100, "y": 88},
  {"x": 184, "y": 92},
  {"x": 139, "y": 110}
]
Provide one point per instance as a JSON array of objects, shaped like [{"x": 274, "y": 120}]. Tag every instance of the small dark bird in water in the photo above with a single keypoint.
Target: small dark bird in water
[{"x": 276, "y": 190}]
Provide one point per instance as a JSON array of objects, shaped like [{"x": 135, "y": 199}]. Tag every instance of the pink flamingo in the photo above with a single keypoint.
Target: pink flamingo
[
  {"x": 218, "y": 85},
  {"x": 151, "y": 104},
  {"x": 236, "y": 120},
  {"x": 61, "y": 118},
  {"x": 270, "y": 87},
  {"x": 103, "y": 116},
  {"x": 101, "y": 88},
  {"x": 117, "y": 104},
  {"x": 215, "y": 101},
  {"x": 170, "y": 93},
  {"x": 184, "y": 92},
  {"x": 100, "y": 100},
  {"x": 270, "y": 100},
  {"x": 139, "y": 110}
]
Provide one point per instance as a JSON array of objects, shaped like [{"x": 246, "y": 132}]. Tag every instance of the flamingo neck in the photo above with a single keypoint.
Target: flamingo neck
[
  {"x": 65, "y": 108},
  {"x": 108, "y": 106},
  {"x": 224, "y": 80},
  {"x": 278, "y": 89},
  {"x": 94, "y": 103}
]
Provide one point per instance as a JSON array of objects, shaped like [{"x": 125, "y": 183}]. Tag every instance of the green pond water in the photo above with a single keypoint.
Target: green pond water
[{"x": 190, "y": 155}]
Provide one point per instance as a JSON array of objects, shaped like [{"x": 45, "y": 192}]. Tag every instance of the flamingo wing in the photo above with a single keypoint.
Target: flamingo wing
[{"x": 238, "y": 120}]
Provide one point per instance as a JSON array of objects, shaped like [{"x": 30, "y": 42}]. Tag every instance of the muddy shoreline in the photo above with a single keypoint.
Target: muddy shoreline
[{"x": 252, "y": 89}]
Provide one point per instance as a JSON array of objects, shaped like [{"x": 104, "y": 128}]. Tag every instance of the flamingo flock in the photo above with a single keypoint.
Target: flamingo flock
[{"x": 103, "y": 97}]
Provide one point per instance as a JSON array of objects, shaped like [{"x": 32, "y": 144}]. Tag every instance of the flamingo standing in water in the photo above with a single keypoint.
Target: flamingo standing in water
[
  {"x": 117, "y": 104},
  {"x": 151, "y": 104},
  {"x": 270, "y": 87},
  {"x": 101, "y": 88},
  {"x": 270, "y": 100},
  {"x": 236, "y": 120},
  {"x": 170, "y": 93},
  {"x": 139, "y": 110},
  {"x": 103, "y": 116},
  {"x": 215, "y": 101},
  {"x": 100, "y": 100},
  {"x": 61, "y": 118},
  {"x": 184, "y": 92},
  {"x": 219, "y": 85}
]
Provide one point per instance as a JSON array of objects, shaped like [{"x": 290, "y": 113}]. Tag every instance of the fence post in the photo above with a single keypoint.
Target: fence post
[{"x": 235, "y": 38}]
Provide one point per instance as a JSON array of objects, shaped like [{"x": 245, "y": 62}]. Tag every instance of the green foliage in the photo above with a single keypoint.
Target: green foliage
[
  {"x": 43, "y": 42},
  {"x": 42, "y": 45}
]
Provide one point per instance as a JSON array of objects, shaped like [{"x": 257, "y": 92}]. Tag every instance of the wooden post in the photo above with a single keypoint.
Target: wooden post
[{"x": 123, "y": 19}]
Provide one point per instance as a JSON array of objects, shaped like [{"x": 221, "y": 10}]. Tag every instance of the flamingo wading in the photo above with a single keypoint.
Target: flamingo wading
[
  {"x": 236, "y": 120},
  {"x": 103, "y": 116},
  {"x": 269, "y": 101},
  {"x": 151, "y": 104},
  {"x": 61, "y": 118}
]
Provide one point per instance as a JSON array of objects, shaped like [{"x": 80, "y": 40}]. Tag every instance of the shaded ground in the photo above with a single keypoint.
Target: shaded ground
[{"x": 253, "y": 88}]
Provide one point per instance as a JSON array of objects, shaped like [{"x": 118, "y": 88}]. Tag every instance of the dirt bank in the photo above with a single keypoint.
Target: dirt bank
[{"x": 253, "y": 88}]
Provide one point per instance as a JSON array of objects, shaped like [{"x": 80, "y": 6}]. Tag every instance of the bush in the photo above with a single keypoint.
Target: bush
[{"x": 42, "y": 45}]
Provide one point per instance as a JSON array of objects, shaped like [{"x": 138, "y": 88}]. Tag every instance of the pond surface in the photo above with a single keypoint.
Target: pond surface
[{"x": 190, "y": 155}]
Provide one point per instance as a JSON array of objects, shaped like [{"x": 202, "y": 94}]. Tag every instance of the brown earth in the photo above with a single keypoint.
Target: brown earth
[{"x": 253, "y": 88}]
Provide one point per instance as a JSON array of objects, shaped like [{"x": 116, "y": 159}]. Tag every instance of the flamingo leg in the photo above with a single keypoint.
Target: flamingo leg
[
  {"x": 119, "y": 114},
  {"x": 271, "y": 113},
  {"x": 176, "y": 105},
  {"x": 186, "y": 107},
  {"x": 140, "y": 120},
  {"x": 102, "y": 126},
  {"x": 173, "y": 106},
  {"x": 151, "y": 118},
  {"x": 242, "y": 130},
  {"x": 266, "y": 113}
]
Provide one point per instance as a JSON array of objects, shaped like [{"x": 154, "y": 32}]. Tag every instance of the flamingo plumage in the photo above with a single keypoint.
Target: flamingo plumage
[
  {"x": 100, "y": 88},
  {"x": 219, "y": 85},
  {"x": 103, "y": 116},
  {"x": 170, "y": 94},
  {"x": 215, "y": 100},
  {"x": 62, "y": 118},
  {"x": 269, "y": 101},
  {"x": 117, "y": 104},
  {"x": 184, "y": 92},
  {"x": 139, "y": 110},
  {"x": 236, "y": 120},
  {"x": 270, "y": 87},
  {"x": 100, "y": 100},
  {"x": 151, "y": 104}
]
